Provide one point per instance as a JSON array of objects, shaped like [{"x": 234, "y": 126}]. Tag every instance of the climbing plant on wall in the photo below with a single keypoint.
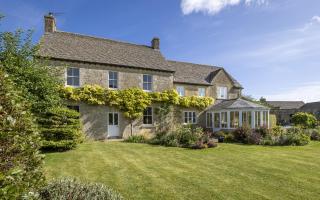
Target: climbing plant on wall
[{"x": 132, "y": 102}]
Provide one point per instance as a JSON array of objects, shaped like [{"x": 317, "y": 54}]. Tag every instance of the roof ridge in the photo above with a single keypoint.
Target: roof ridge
[
  {"x": 203, "y": 65},
  {"x": 101, "y": 38}
]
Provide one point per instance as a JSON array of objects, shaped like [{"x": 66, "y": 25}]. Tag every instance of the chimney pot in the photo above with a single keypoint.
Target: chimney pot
[
  {"x": 49, "y": 23},
  {"x": 155, "y": 43}
]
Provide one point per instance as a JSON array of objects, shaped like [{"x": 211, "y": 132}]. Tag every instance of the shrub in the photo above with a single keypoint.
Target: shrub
[
  {"x": 229, "y": 137},
  {"x": 187, "y": 136},
  {"x": 219, "y": 134},
  {"x": 277, "y": 131},
  {"x": 254, "y": 138},
  {"x": 199, "y": 145},
  {"x": 136, "y": 139},
  {"x": 263, "y": 131},
  {"x": 73, "y": 189},
  {"x": 305, "y": 120},
  {"x": 61, "y": 129},
  {"x": 211, "y": 144},
  {"x": 184, "y": 136},
  {"x": 294, "y": 136},
  {"x": 20, "y": 161},
  {"x": 315, "y": 134},
  {"x": 241, "y": 134}
]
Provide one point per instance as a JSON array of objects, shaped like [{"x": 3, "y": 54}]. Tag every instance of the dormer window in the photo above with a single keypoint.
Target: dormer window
[
  {"x": 222, "y": 93},
  {"x": 73, "y": 77}
]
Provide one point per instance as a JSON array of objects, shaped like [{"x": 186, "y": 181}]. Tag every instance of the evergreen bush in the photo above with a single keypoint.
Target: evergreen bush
[{"x": 61, "y": 129}]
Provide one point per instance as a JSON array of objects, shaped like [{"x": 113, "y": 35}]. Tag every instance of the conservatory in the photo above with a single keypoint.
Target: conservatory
[{"x": 231, "y": 114}]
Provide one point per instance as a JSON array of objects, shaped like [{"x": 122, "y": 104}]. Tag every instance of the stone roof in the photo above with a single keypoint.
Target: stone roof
[
  {"x": 286, "y": 105},
  {"x": 77, "y": 47},
  {"x": 236, "y": 104},
  {"x": 197, "y": 73},
  {"x": 308, "y": 107}
]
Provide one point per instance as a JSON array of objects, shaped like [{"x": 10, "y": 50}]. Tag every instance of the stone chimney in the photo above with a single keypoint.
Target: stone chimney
[
  {"x": 155, "y": 43},
  {"x": 49, "y": 23}
]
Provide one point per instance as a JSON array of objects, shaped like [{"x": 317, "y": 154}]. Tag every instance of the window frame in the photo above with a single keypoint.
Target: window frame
[
  {"x": 113, "y": 114},
  {"x": 220, "y": 90},
  {"x": 72, "y": 76},
  {"x": 234, "y": 119},
  {"x": 203, "y": 90},
  {"x": 147, "y": 115},
  {"x": 217, "y": 118},
  {"x": 224, "y": 116},
  {"x": 178, "y": 90},
  {"x": 113, "y": 79},
  {"x": 209, "y": 124},
  {"x": 246, "y": 119},
  {"x": 191, "y": 116},
  {"x": 147, "y": 82},
  {"x": 257, "y": 119}
]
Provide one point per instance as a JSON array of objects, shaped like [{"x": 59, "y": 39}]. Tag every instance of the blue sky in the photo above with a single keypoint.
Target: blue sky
[{"x": 271, "y": 46}]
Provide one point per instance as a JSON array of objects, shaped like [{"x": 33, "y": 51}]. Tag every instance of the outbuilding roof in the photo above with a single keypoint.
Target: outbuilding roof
[
  {"x": 286, "y": 105},
  {"x": 310, "y": 107}
]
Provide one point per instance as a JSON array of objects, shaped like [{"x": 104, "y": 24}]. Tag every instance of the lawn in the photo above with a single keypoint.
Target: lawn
[{"x": 231, "y": 171}]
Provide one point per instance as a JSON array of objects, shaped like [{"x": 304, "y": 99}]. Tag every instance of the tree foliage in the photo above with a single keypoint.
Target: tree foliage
[
  {"x": 20, "y": 162},
  {"x": 37, "y": 81},
  {"x": 305, "y": 120}
]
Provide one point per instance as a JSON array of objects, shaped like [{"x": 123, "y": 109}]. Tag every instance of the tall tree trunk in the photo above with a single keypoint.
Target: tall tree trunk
[{"x": 131, "y": 124}]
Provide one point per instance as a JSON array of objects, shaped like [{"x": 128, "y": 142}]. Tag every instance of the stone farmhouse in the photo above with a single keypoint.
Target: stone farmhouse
[{"x": 119, "y": 65}]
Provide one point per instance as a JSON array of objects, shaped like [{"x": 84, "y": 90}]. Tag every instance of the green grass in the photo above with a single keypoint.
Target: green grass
[{"x": 231, "y": 171}]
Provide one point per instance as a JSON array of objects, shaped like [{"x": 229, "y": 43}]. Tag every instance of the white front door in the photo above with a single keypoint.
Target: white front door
[{"x": 113, "y": 124}]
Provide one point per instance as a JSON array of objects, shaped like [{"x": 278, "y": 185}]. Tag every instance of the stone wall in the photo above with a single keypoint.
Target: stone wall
[
  {"x": 95, "y": 118},
  {"x": 128, "y": 77},
  {"x": 220, "y": 80}
]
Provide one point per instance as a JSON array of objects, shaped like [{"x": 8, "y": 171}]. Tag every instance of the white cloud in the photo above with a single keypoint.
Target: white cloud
[
  {"x": 316, "y": 19},
  {"x": 308, "y": 92},
  {"x": 213, "y": 7}
]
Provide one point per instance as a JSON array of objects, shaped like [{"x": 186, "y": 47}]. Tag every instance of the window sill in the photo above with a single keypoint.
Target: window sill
[
  {"x": 74, "y": 86},
  {"x": 148, "y": 125}
]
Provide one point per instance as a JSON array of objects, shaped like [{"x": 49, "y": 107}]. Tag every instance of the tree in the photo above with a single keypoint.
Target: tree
[
  {"x": 263, "y": 100},
  {"x": 37, "y": 81},
  {"x": 132, "y": 102},
  {"x": 306, "y": 120},
  {"x": 20, "y": 161}
]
